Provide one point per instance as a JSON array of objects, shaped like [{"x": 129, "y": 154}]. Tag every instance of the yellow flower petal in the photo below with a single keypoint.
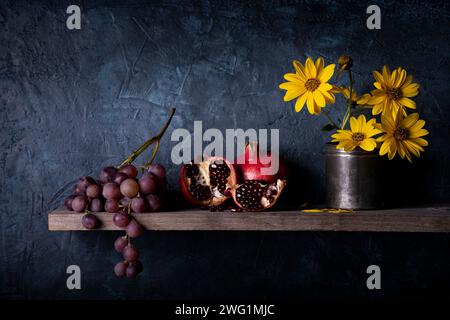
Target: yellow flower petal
[
  {"x": 362, "y": 122},
  {"x": 401, "y": 77},
  {"x": 386, "y": 73},
  {"x": 368, "y": 144},
  {"x": 293, "y": 90},
  {"x": 300, "y": 69},
  {"x": 310, "y": 102},
  {"x": 378, "y": 76},
  {"x": 392, "y": 150},
  {"x": 378, "y": 85},
  {"x": 385, "y": 146},
  {"x": 292, "y": 77},
  {"x": 418, "y": 133},
  {"x": 410, "y": 90},
  {"x": 300, "y": 103},
  {"x": 421, "y": 142},
  {"x": 354, "y": 125},
  {"x": 414, "y": 149},
  {"x": 407, "y": 103},
  {"x": 319, "y": 65},
  {"x": 325, "y": 86},
  {"x": 310, "y": 68},
  {"x": 410, "y": 120},
  {"x": 319, "y": 99},
  {"x": 418, "y": 125},
  {"x": 326, "y": 73},
  {"x": 329, "y": 97}
]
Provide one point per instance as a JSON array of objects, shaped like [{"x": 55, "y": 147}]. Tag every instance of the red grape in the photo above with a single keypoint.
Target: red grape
[
  {"x": 129, "y": 170},
  {"x": 96, "y": 205},
  {"x": 132, "y": 271},
  {"x": 120, "y": 269},
  {"x": 134, "y": 229},
  {"x": 148, "y": 183},
  {"x": 79, "y": 203},
  {"x": 90, "y": 221},
  {"x": 153, "y": 202},
  {"x": 138, "y": 205},
  {"x": 129, "y": 188},
  {"x": 121, "y": 219},
  {"x": 138, "y": 265},
  {"x": 158, "y": 170},
  {"x": 120, "y": 177},
  {"x": 120, "y": 244},
  {"x": 130, "y": 253},
  {"x": 107, "y": 174},
  {"x": 112, "y": 205},
  {"x": 111, "y": 190},
  {"x": 84, "y": 182},
  {"x": 78, "y": 192},
  {"x": 93, "y": 191},
  {"x": 68, "y": 202}
]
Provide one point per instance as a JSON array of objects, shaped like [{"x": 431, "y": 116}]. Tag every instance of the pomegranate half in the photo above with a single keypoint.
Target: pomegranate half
[
  {"x": 208, "y": 183},
  {"x": 257, "y": 195}
]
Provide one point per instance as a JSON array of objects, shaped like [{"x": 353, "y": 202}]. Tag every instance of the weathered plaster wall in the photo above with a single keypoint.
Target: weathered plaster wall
[{"x": 74, "y": 101}]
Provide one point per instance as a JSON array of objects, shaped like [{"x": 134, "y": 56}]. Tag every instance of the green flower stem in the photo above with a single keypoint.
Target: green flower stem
[
  {"x": 329, "y": 118},
  {"x": 149, "y": 142},
  {"x": 349, "y": 101}
]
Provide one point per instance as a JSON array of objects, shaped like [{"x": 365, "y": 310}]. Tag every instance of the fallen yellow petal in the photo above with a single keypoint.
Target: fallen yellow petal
[{"x": 328, "y": 210}]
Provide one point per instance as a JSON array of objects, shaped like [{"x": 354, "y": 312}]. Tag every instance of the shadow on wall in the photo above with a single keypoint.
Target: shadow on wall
[
  {"x": 301, "y": 189},
  {"x": 406, "y": 183}
]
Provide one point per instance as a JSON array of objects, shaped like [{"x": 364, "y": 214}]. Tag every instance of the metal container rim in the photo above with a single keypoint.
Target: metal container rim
[{"x": 330, "y": 149}]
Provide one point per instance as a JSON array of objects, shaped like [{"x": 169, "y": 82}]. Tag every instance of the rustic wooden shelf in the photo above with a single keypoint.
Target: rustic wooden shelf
[{"x": 429, "y": 219}]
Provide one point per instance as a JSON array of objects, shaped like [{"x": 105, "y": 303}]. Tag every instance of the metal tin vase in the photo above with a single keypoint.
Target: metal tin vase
[{"x": 353, "y": 179}]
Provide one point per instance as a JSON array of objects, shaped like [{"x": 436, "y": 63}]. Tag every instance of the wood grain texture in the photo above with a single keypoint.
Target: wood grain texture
[{"x": 430, "y": 219}]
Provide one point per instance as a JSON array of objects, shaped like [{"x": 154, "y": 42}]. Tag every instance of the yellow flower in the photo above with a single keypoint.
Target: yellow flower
[
  {"x": 359, "y": 100},
  {"x": 360, "y": 135},
  {"x": 309, "y": 85},
  {"x": 402, "y": 135},
  {"x": 393, "y": 92}
]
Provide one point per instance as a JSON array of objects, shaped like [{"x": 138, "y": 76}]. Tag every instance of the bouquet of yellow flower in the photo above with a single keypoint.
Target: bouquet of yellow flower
[{"x": 397, "y": 133}]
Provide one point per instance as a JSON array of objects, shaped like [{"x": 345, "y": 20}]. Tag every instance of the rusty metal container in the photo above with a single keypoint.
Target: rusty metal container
[{"x": 353, "y": 179}]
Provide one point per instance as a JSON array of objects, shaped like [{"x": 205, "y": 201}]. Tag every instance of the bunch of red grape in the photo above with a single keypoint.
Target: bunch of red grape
[{"x": 121, "y": 192}]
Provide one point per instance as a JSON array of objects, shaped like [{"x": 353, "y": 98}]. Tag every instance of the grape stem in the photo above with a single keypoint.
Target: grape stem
[
  {"x": 129, "y": 213},
  {"x": 149, "y": 142}
]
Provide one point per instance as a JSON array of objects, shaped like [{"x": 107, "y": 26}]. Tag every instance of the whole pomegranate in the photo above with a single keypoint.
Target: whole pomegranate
[
  {"x": 250, "y": 163},
  {"x": 208, "y": 183}
]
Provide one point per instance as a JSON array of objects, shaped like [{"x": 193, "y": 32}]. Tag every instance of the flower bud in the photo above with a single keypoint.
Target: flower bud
[{"x": 345, "y": 62}]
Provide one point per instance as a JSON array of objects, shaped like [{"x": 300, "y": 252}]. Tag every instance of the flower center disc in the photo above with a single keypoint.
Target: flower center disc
[
  {"x": 394, "y": 94},
  {"x": 401, "y": 134},
  {"x": 358, "y": 136},
  {"x": 312, "y": 84}
]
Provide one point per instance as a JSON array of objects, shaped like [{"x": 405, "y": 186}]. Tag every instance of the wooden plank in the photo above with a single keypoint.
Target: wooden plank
[{"x": 430, "y": 219}]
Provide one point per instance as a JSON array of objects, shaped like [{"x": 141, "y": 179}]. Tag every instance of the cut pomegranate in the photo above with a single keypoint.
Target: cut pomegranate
[
  {"x": 208, "y": 183},
  {"x": 249, "y": 165},
  {"x": 257, "y": 195}
]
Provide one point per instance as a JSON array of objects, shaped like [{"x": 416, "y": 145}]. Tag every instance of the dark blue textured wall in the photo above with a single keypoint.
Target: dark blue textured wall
[{"x": 74, "y": 101}]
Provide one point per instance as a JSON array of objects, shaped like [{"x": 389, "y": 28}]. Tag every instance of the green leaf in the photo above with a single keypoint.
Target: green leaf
[{"x": 329, "y": 127}]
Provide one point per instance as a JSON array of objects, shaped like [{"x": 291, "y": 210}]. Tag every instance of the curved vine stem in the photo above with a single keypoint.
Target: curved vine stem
[
  {"x": 153, "y": 155},
  {"x": 149, "y": 142},
  {"x": 349, "y": 101}
]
